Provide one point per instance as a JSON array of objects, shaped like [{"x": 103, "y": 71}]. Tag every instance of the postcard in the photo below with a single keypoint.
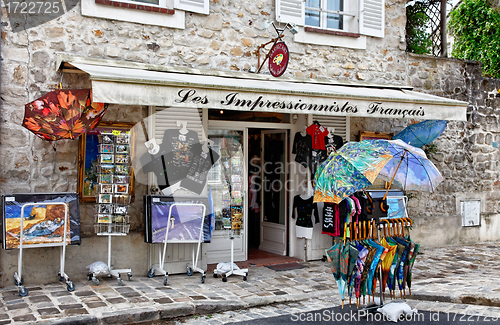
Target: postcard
[
  {"x": 121, "y": 188},
  {"x": 107, "y": 169},
  {"x": 122, "y": 169},
  {"x": 107, "y": 138},
  {"x": 106, "y": 178},
  {"x": 235, "y": 179},
  {"x": 122, "y": 139},
  {"x": 226, "y": 223},
  {"x": 105, "y": 208},
  {"x": 121, "y": 209},
  {"x": 104, "y": 218},
  {"x": 121, "y": 179},
  {"x": 121, "y": 199},
  {"x": 122, "y": 148},
  {"x": 107, "y": 158},
  {"x": 104, "y": 198},
  {"x": 122, "y": 159},
  {"x": 118, "y": 219},
  {"x": 106, "y": 148},
  {"x": 106, "y": 188}
]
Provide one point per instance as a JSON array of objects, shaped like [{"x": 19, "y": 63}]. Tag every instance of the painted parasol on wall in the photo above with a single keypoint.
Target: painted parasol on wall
[{"x": 63, "y": 114}]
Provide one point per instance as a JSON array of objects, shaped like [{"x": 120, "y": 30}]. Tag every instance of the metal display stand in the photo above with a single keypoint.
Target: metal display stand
[
  {"x": 241, "y": 272},
  {"x": 18, "y": 279},
  {"x": 112, "y": 273},
  {"x": 159, "y": 268},
  {"x": 114, "y": 196}
]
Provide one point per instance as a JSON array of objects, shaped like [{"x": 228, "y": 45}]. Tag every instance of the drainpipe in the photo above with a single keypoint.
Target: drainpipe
[{"x": 444, "y": 41}]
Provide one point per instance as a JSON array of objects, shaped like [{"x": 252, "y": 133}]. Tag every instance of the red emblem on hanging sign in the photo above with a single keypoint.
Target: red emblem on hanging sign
[{"x": 278, "y": 59}]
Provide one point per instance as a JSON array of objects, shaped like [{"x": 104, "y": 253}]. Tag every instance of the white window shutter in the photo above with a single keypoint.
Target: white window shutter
[
  {"x": 372, "y": 18},
  {"x": 291, "y": 11},
  {"x": 199, "y": 6}
]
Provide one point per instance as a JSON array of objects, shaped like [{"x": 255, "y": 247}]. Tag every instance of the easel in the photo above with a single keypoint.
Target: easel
[
  {"x": 190, "y": 269},
  {"x": 18, "y": 279}
]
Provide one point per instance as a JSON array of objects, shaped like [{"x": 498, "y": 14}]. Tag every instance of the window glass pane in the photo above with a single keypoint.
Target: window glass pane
[
  {"x": 332, "y": 20},
  {"x": 312, "y": 17},
  {"x": 226, "y": 177},
  {"x": 153, "y": 2}
]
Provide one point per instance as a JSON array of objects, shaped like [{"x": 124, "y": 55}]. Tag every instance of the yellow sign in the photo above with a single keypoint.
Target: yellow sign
[{"x": 116, "y": 132}]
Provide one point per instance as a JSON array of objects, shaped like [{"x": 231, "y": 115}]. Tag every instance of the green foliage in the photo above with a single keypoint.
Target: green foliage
[
  {"x": 430, "y": 149},
  {"x": 475, "y": 25},
  {"x": 418, "y": 40}
]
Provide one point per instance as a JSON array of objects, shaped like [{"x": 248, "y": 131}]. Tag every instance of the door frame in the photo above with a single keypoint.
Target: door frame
[
  {"x": 286, "y": 196},
  {"x": 244, "y": 126}
]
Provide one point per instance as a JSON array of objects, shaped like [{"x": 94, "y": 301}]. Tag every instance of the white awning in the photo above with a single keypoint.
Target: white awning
[{"x": 143, "y": 84}]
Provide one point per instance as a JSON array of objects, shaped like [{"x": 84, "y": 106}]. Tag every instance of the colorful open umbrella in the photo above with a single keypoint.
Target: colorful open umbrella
[
  {"x": 354, "y": 167},
  {"x": 410, "y": 169},
  {"x": 63, "y": 114},
  {"x": 423, "y": 133}
]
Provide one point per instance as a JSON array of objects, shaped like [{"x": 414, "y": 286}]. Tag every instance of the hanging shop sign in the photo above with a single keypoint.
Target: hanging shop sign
[{"x": 278, "y": 59}]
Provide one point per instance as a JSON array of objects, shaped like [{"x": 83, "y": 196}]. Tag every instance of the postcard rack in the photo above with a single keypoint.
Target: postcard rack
[
  {"x": 113, "y": 198},
  {"x": 18, "y": 278},
  {"x": 159, "y": 268}
]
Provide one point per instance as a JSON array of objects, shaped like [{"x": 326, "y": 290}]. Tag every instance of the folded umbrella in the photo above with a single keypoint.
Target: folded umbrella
[{"x": 353, "y": 258}]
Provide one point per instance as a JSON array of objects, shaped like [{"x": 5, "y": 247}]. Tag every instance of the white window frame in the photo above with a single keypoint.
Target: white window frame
[
  {"x": 176, "y": 20},
  {"x": 366, "y": 15},
  {"x": 323, "y": 20}
]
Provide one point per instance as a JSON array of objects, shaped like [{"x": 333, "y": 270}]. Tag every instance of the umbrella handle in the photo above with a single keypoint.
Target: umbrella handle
[
  {"x": 374, "y": 229},
  {"x": 393, "y": 176},
  {"x": 364, "y": 229},
  {"x": 384, "y": 206},
  {"x": 369, "y": 207},
  {"x": 388, "y": 226}
]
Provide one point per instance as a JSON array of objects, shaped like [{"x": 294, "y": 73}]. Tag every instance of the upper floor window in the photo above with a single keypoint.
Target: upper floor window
[
  {"x": 325, "y": 13},
  {"x": 334, "y": 17},
  {"x": 166, "y": 13}
]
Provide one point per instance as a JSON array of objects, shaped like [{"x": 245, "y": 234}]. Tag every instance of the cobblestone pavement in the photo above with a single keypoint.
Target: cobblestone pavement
[
  {"x": 461, "y": 278},
  {"x": 294, "y": 309}
]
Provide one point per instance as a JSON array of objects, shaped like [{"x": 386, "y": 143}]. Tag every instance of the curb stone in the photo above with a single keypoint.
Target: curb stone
[
  {"x": 175, "y": 310},
  {"x": 207, "y": 307},
  {"x": 75, "y": 320},
  {"x": 134, "y": 315}
]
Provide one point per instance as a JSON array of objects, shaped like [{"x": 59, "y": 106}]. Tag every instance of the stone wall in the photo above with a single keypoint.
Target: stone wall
[
  {"x": 466, "y": 154},
  {"x": 224, "y": 40}
]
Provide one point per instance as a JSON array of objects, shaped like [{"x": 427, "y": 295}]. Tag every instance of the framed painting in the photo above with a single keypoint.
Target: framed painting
[
  {"x": 43, "y": 219},
  {"x": 99, "y": 145},
  {"x": 367, "y": 135}
]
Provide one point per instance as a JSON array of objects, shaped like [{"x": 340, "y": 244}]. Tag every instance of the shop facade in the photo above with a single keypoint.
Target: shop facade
[
  {"x": 261, "y": 117},
  {"x": 142, "y": 72}
]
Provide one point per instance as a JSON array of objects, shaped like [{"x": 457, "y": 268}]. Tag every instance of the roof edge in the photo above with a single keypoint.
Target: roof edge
[{"x": 64, "y": 58}]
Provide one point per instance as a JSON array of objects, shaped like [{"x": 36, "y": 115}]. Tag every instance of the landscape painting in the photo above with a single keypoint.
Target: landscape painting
[{"x": 43, "y": 219}]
